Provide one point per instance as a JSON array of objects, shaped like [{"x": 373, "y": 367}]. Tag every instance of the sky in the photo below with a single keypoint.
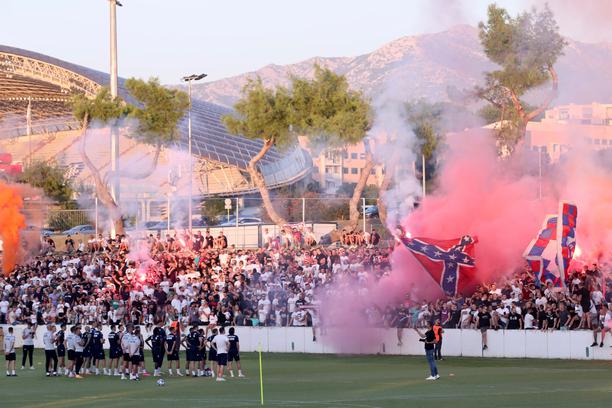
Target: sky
[{"x": 172, "y": 38}]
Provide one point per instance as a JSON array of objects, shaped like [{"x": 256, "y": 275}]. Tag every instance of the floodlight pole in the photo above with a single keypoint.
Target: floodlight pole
[
  {"x": 114, "y": 182},
  {"x": 189, "y": 79}
]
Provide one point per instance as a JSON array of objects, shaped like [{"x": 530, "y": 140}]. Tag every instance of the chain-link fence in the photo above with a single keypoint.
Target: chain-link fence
[{"x": 153, "y": 213}]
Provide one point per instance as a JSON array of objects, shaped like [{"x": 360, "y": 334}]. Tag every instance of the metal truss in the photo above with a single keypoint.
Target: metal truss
[{"x": 67, "y": 80}]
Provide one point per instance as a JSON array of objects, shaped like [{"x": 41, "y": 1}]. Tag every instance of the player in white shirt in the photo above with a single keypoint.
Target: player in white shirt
[
  {"x": 50, "y": 353},
  {"x": 124, "y": 341},
  {"x": 221, "y": 345},
  {"x": 133, "y": 344},
  {"x": 79, "y": 346},
  {"x": 70, "y": 341},
  {"x": 28, "y": 344},
  {"x": 9, "y": 353}
]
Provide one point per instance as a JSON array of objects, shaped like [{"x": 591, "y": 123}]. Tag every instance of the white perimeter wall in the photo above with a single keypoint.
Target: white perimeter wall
[{"x": 467, "y": 343}]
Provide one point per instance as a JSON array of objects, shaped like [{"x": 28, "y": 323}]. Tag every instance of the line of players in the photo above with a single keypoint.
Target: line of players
[{"x": 85, "y": 354}]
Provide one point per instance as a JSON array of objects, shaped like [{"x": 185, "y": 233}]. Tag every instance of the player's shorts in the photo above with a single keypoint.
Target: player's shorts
[
  {"x": 10, "y": 357},
  {"x": 141, "y": 357},
  {"x": 71, "y": 355},
  {"x": 173, "y": 357},
  {"x": 114, "y": 353},
  {"x": 191, "y": 355},
  {"x": 222, "y": 359},
  {"x": 158, "y": 355},
  {"x": 87, "y": 354},
  {"x": 233, "y": 356},
  {"x": 135, "y": 359},
  {"x": 61, "y": 351},
  {"x": 212, "y": 355},
  {"x": 126, "y": 357},
  {"x": 99, "y": 355},
  {"x": 484, "y": 329}
]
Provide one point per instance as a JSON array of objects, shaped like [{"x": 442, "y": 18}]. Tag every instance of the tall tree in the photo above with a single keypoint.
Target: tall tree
[
  {"x": 526, "y": 48},
  {"x": 157, "y": 112},
  {"x": 50, "y": 178},
  {"x": 263, "y": 114},
  {"x": 334, "y": 116}
]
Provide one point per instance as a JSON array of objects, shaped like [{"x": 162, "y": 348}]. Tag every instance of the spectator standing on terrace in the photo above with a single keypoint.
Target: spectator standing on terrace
[{"x": 484, "y": 323}]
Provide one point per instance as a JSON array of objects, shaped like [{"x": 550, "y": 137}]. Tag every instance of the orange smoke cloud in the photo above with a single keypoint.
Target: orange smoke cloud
[{"x": 11, "y": 222}]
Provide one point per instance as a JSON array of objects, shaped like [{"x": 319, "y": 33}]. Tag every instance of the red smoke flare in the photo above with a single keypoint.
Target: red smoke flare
[{"x": 11, "y": 222}]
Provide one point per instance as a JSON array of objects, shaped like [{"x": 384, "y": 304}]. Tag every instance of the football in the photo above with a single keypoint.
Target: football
[{"x": 161, "y": 382}]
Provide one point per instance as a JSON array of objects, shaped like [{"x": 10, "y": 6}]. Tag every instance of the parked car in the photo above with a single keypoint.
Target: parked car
[
  {"x": 43, "y": 231},
  {"x": 241, "y": 221},
  {"x": 81, "y": 230},
  {"x": 371, "y": 211}
]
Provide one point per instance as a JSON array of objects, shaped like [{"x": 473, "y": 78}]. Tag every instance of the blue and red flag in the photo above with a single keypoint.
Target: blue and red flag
[
  {"x": 449, "y": 262},
  {"x": 550, "y": 253}
]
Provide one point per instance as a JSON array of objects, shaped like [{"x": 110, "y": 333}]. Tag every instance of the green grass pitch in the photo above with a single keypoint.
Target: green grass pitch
[{"x": 305, "y": 380}]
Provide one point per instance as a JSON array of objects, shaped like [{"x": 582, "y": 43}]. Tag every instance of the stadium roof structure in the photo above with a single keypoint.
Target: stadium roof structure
[{"x": 47, "y": 84}]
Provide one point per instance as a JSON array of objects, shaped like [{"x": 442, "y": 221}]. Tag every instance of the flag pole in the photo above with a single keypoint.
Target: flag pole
[{"x": 261, "y": 390}]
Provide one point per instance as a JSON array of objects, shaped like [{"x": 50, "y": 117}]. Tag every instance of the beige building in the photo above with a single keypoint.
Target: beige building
[
  {"x": 571, "y": 125},
  {"x": 334, "y": 167}
]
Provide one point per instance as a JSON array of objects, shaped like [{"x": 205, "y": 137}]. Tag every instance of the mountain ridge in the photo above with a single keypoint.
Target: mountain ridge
[{"x": 425, "y": 66}]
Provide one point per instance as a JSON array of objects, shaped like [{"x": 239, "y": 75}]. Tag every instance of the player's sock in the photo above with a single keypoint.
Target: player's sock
[
  {"x": 240, "y": 373},
  {"x": 170, "y": 371},
  {"x": 232, "y": 373}
]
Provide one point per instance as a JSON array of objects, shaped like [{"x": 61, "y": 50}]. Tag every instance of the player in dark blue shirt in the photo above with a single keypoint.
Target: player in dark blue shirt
[
  {"x": 173, "y": 343},
  {"x": 60, "y": 338},
  {"x": 156, "y": 343},
  {"x": 233, "y": 354},
  {"x": 97, "y": 349},
  {"x": 212, "y": 353},
  {"x": 114, "y": 351},
  {"x": 202, "y": 354},
  {"x": 87, "y": 346},
  {"x": 193, "y": 343}
]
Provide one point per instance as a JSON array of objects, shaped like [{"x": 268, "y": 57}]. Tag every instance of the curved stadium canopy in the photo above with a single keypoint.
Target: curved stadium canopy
[{"x": 47, "y": 84}]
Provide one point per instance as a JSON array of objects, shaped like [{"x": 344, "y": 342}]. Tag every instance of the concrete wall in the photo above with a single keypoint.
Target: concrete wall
[{"x": 466, "y": 343}]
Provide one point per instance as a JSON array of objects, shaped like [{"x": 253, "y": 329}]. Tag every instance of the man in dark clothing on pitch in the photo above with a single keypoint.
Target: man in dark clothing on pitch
[{"x": 429, "y": 338}]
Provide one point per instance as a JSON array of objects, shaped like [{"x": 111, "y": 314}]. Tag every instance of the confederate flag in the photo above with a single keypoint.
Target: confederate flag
[{"x": 449, "y": 262}]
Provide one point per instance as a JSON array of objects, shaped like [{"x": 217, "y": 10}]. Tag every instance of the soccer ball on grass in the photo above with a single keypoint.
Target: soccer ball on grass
[{"x": 161, "y": 382}]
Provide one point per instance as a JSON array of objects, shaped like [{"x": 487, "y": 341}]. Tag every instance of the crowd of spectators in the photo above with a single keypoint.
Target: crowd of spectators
[
  {"x": 200, "y": 279},
  {"x": 197, "y": 279}
]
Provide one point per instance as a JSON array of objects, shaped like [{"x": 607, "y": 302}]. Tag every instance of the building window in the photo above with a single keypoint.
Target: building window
[
  {"x": 353, "y": 156},
  {"x": 604, "y": 141},
  {"x": 563, "y": 114},
  {"x": 354, "y": 170},
  {"x": 345, "y": 155},
  {"x": 336, "y": 170},
  {"x": 597, "y": 141},
  {"x": 373, "y": 172},
  {"x": 362, "y": 156},
  {"x": 345, "y": 170}
]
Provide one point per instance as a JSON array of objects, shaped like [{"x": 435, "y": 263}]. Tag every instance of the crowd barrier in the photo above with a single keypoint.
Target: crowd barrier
[
  {"x": 466, "y": 343},
  {"x": 244, "y": 236}
]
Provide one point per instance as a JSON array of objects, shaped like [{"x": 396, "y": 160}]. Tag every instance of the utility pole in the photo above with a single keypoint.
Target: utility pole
[
  {"x": 423, "y": 171},
  {"x": 114, "y": 79},
  {"x": 189, "y": 79}
]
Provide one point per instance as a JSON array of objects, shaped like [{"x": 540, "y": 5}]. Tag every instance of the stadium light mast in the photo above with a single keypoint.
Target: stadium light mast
[
  {"x": 114, "y": 78},
  {"x": 189, "y": 79}
]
